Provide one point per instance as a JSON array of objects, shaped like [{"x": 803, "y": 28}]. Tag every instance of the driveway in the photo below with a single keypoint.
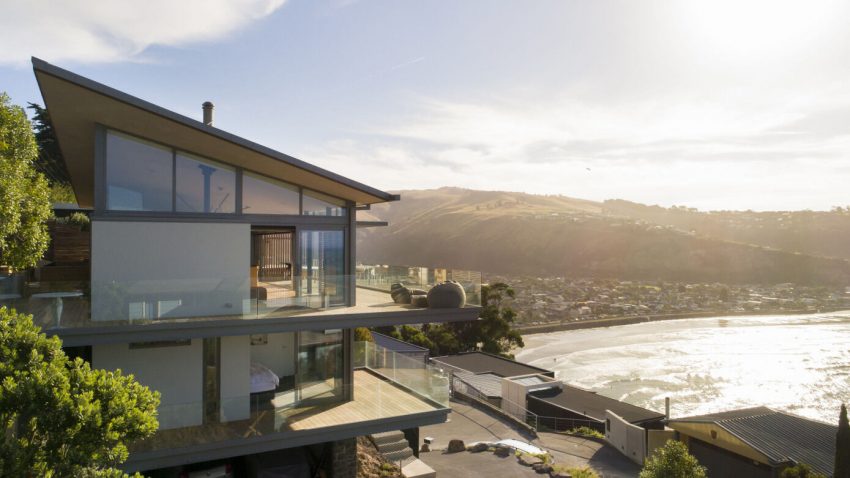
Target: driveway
[{"x": 472, "y": 424}]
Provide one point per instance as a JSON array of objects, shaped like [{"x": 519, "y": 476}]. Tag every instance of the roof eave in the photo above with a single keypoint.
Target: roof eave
[{"x": 44, "y": 67}]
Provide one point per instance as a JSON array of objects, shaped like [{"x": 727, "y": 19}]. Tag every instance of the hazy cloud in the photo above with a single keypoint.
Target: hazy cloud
[{"x": 117, "y": 30}]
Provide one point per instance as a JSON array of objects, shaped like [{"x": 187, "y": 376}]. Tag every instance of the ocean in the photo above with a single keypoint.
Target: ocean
[{"x": 796, "y": 363}]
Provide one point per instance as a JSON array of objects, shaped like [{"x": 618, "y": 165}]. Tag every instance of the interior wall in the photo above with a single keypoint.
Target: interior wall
[
  {"x": 235, "y": 378},
  {"x": 175, "y": 372},
  {"x": 185, "y": 269},
  {"x": 278, "y": 354}
]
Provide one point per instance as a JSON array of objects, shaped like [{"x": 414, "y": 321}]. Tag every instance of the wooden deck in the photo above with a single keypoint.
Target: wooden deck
[{"x": 374, "y": 399}]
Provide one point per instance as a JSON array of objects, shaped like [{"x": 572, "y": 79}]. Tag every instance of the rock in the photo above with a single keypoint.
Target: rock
[
  {"x": 419, "y": 300},
  {"x": 542, "y": 468},
  {"x": 502, "y": 451},
  {"x": 397, "y": 285},
  {"x": 400, "y": 295},
  {"x": 455, "y": 446},
  {"x": 478, "y": 447},
  {"x": 425, "y": 448},
  {"x": 529, "y": 460},
  {"x": 559, "y": 474},
  {"x": 447, "y": 295}
]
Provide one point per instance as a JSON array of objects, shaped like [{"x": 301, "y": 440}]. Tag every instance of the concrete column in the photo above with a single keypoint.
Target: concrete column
[{"x": 344, "y": 459}]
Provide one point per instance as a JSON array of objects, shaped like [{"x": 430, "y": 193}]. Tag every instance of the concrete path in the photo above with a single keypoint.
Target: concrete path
[{"x": 472, "y": 424}]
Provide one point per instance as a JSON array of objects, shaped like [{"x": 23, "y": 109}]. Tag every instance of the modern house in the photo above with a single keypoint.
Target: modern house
[
  {"x": 222, "y": 274},
  {"x": 757, "y": 442}
]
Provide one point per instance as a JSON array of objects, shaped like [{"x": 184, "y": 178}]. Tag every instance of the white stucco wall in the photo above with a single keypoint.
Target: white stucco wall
[
  {"x": 629, "y": 439},
  {"x": 278, "y": 354},
  {"x": 175, "y": 372},
  {"x": 235, "y": 378},
  {"x": 181, "y": 269}
]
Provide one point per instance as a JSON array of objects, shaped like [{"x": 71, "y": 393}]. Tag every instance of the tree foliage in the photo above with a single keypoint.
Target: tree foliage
[
  {"x": 492, "y": 333},
  {"x": 24, "y": 194},
  {"x": 50, "y": 162},
  {"x": 800, "y": 470},
  {"x": 672, "y": 461},
  {"x": 61, "y": 418},
  {"x": 842, "y": 445}
]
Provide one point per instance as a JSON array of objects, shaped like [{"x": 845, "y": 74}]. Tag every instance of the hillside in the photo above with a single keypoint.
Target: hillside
[{"x": 517, "y": 233}]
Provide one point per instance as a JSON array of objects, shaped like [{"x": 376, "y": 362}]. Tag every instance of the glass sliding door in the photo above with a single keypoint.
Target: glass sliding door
[
  {"x": 322, "y": 275},
  {"x": 319, "y": 376}
]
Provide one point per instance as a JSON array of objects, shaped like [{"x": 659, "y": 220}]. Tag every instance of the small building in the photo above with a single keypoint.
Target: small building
[
  {"x": 481, "y": 362},
  {"x": 569, "y": 407},
  {"x": 757, "y": 442},
  {"x": 399, "y": 347}
]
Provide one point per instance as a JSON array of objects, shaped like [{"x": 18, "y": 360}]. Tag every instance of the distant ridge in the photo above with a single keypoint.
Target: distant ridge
[{"x": 545, "y": 235}]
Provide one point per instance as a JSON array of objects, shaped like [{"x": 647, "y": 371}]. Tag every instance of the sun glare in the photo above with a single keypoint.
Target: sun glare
[{"x": 733, "y": 29}]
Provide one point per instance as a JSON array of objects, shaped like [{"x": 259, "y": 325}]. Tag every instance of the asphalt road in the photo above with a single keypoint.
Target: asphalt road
[{"x": 472, "y": 424}]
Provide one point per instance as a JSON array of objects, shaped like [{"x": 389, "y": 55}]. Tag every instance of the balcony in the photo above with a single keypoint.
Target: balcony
[
  {"x": 65, "y": 304},
  {"x": 389, "y": 392}
]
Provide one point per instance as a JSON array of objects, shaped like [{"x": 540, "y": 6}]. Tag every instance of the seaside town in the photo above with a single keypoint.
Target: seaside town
[{"x": 549, "y": 300}]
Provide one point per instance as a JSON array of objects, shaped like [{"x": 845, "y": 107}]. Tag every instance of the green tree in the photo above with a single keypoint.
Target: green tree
[
  {"x": 672, "y": 461},
  {"x": 800, "y": 470},
  {"x": 61, "y": 418},
  {"x": 842, "y": 446},
  {"x": 49, "y": 161},
  {"x": 493, "y": 332},
  {"x": 24, "y": 195},
  {"x": 362, "y": 334}
]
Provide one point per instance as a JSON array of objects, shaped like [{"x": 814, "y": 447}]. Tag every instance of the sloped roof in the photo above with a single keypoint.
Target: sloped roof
[
  {"x": 593, "y": 405},
  {"x": 487, "y": 384},
  {"x": 480, "y": 362},
  {"x": 780, "y": 436},
  {"x": 77, "y": 105},
  {"x": 396, "y": 345}
]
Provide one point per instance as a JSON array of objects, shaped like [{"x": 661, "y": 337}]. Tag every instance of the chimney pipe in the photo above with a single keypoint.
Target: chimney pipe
[
  {"x": 208, "y": 113},
  {"x": 667, "y": 407}
]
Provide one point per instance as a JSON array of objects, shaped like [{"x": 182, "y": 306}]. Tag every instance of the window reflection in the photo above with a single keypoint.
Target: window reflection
[
  {"x": 261, "y": 195},
  {"x": 318, "y": 204},
  {"x": 205, "y": 186},
  {"x": 138, "y": 174}
]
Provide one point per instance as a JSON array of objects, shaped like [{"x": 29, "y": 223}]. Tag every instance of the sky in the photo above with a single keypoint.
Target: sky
[{"x": 728, "y": 104}]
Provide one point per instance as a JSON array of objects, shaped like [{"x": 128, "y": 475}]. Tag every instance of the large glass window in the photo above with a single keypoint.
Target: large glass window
[
  {"x": 318, "y": 204},
  {"x": 261, "y": 195},
  {"x": 205, "y": 186},
  {"x": 322, "y": 276},
  {"x": 320, "y": 366},
  {"x": 138, "y": 174}
]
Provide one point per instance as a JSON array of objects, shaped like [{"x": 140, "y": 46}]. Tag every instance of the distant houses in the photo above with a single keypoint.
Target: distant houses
[
  {"x": 757, "y": 442},
  {"x": 748, "y": 443}
]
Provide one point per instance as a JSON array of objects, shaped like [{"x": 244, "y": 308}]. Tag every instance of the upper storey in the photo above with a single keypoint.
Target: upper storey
[
  {"x": 77, "y": 105},
  {"x": 194, "y": 231}
]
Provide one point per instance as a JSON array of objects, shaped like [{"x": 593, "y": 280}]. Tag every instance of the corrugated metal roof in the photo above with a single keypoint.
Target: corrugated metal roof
[
  {"x": 533, "y": 380},
  {"x": 780, "y": 436},
  {"x": 487, "y": 384},
  {"x": 396, "y": 345},
  {"x": 480, "y": 362}
]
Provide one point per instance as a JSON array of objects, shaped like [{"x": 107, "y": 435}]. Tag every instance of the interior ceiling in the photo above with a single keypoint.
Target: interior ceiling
[{"x": 75, "y": 110}]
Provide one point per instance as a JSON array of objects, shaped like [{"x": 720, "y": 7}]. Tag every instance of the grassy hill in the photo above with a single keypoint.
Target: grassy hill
[{"x": 517, "y": 233}]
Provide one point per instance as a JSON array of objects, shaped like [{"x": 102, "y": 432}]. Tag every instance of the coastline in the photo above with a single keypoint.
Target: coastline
[{"x": 639, "y": 319}]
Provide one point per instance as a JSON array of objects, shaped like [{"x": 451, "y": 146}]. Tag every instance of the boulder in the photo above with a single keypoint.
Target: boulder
[
  {"x": 542, "y": 468},
  {"x": 425, "y": 448},
  {"x": 529, "y": 460},
  {"x": 503, "y": 451},
  {"x": 419, "y": 300},
  {"x": 400, "y": 295},
  {"x": 559, "y": 474},
  {"x": 455, "y": 446},
  {"x": 447, "y": 295},
  {"x": 478, "y": 447}
]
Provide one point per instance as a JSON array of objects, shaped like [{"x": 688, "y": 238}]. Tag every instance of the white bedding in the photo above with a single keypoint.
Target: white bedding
[{"x": 262, "y": 378}]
